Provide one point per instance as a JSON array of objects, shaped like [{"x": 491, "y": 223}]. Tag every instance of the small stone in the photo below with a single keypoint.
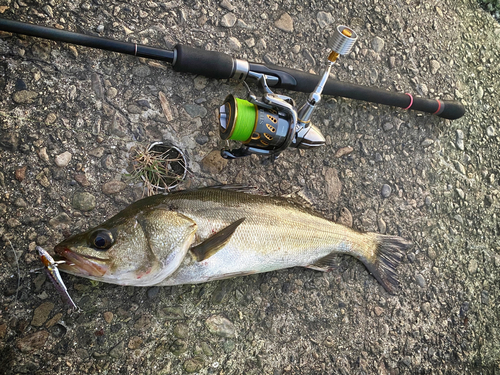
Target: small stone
[
  {"x": 250, "y": 42},
  {"x": 428, "y": 200},
  {"x": 20, "y": 85},
  {"x": 377, "y": 44},
  {"x": 51, "y": 118},
  {"x": 460, "y": 193},
  {"x": 43, "y": 179},
  {"x": 24, "y": 97},
  {"x": 284, "y": 23},
  {"x": 213, "y": 163},
  {"x": 52, "y": 321},
  {"x": 108, "y": 316},
  {"x": 472, "y": 266},
  {"x": 233, "y": 43},
  {"x": 387, "y": 126},
  {"x": 434, "y": 66},
  {"x": 378, "y": 310},
  {"x": 20, "y": 173},
  {"x": 95, "y": 83},
  {"x": 490, "y": 131},
  {"x": 13, "y": 222},
  {"x": 60, "y": 220},
  {"x": 229, "y": 346},
  {"x": 141, "y": 71},
  {"x": 118, "y": 350},
  {"x": 195, "y": 110},
  {"x": 41, "y": 314},
  {"x": 181, "y": 331},
  {"x": 343, "y": 151},
  {"x": 9, "y": 141},
  {"x": 386, "y": 191},
  {"x": 178, "y": 347},
  {"x": 426, "y": 308},
  {"x": 108, "y": 162},
  {"x": 153, "y": 292},
  {"x": 111, "y": 92},
  {"x": 20, "y": 202},
  {"x": 420, "y": 281},
  {"x": 62, "y": 160},
  {"x": 432, "y": 253},
  {"x": 485, "y": 297},
  {"x": 84, "y": 201},
  {"x": 382, "y": 226},
  {"x": 226, "y": 4},
  {"x": 460, "y": 167},
  {"x": 201, "y": 139},
  {"x": 333, "y": 184},
  {"x": 345, "y": 217},
  {"x": 135, "y": 342},
  {"x": 324, "y": 19},
  {"x": 193, "y": 365},
  {"x": 32, "y": 342},
  {"x": 228, "y": 20},
  {"x": 113, "y": 187},
  {"x": 427, "y": 142},
  {"x": 220, "y": 326},
  {"x": 133, "y": 109},
  {"x": 392, "y": 62},
  {"x": 99, "y": 28},
  {"x": 82, "y": 179},
  {"x": 97, "y": 152}
]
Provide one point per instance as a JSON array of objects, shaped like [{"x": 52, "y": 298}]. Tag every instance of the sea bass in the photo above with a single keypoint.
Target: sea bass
[{"x": 196, "y": 236}]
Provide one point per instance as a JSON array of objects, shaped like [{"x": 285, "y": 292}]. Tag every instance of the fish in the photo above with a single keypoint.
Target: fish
[
  {"x": 50, "y": 266},
  {"x": 200, "y": 235}
]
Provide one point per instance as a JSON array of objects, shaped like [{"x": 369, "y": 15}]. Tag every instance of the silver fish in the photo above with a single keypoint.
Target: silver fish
[{"x": 197, "y": 236}]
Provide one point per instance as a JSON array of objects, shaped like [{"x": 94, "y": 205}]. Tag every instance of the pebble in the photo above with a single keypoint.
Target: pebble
[
  {"x": 285, "y": 23},
  {"x": 32, "y": 342},
  {"x": 309, "y": 57},
  {"x": 82, "y": 179},
  {"x": 420, "y": 281},
  {"x": 43, "y": 179},
  {"x": 178, "y": 347},
  {"x": 386, "y": 191},
  {"x": 9, "y": 141},
  {"x": 485, "y": 297},
  {"x": 434, "y": 66},
  {"x": 378, "y": 310},
  {"x": 181, "y": 331},
  {"x": 193, "y": 365},
  {"x": 460, "y": 167},
  {"x": 377, "y": 44},
  {"x": 333, "y": 184},
  {"x": 228, "y": 20},
  {"x": 460, "y": 139},
  {"x": 135, "y": 342},
  {"x": 51, "y": 118},
  {"x": 213, "y": 163},
  {"x": 20, "y": 173},
  {"x": 84, "y": 201},
  {"x": 426, "y": 307},
  {"x": 343, "y": 151},
  {"x": 387, "y": 126},
  {"x": 460, "y": 193},
  {"x": 41, "y": 314},
  {"x": 62, "y": 160},
  {"x": 111, "y": 92},
  {"x": 345, "y": 217},
  {"x": 427, "y": 142},
  {"x": 108, "y": 162},
  {"x": 100, "y": 28},
  {"x": 490, "y": 131},
  {"x": 201, "y": 139},
  {"x": 97, "y": 152},
  {"x": 141, "y": 71},
  {"x": 108, "y": 316},
  {"x": 234, "y": 44},
  {"x": 195, "y": 110},
  {"x": 20, "y": 202},
  {"x": 118, "y": 350},
  {"x": 226, "y": 4},
  {"x": 220, "y": 326},
  {"x": 24, "y": 97},
  {"x": 382, "y": 226},
  {"x": 20, "y": 85},
  {"x": 324, "y": 19},
  {"x": 472, "y": 266},
  {"x": 153, "y": 292},
  {"x": 95, "y": 83},
  {"x": 113, "y": 187},
  {"x": 59, "y": 220}
]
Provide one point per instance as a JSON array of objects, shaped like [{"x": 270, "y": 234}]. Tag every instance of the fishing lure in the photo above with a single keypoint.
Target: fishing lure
[{"x": 54, "y": 275}]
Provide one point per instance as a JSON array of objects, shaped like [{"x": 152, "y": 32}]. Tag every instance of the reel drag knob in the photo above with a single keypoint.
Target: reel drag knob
[{"x": 341, "y": 42}]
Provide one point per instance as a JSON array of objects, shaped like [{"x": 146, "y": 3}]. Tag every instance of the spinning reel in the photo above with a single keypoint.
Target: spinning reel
[{"x": 271, "y": 124}]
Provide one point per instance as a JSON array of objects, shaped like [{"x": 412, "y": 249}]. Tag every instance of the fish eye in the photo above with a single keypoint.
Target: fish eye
[{"x": 102, "y": 239}]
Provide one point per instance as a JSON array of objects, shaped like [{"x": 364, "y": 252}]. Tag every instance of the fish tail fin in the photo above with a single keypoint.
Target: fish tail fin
[{"x": 388, "y": 254}]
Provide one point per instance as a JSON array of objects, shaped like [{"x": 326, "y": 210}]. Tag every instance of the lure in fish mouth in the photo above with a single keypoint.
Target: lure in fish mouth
[{"x": 197, "y": 236}]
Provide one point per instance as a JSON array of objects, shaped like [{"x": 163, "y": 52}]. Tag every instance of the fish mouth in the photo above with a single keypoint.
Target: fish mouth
[{"x": 78, "y": 264}]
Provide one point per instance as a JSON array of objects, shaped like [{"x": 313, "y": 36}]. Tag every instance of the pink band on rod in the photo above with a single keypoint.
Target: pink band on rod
[
  {"x": 411, "y": 101},
  {"x": 135, "y": 49},
  {"x": 439, "y": 107}
]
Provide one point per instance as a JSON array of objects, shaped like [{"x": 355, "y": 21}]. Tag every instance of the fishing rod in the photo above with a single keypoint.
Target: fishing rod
[{"x": 268, "y": 125}]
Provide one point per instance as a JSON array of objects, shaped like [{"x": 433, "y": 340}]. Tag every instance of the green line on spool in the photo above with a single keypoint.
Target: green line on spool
[{"x": 245, "y": 120}]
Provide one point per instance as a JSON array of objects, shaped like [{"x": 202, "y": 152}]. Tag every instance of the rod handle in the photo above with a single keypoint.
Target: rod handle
[{"x": 210, "y": 64}]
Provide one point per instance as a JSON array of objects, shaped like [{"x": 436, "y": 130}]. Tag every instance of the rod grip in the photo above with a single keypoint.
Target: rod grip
[{"x": 199, "y": 61}]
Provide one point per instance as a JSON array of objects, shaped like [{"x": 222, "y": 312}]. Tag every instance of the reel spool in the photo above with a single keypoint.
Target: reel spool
[{"x": 270, "y": 125}]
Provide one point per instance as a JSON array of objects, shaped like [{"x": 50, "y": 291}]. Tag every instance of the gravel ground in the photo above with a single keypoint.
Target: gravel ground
[{"x": 69, "y": 116}]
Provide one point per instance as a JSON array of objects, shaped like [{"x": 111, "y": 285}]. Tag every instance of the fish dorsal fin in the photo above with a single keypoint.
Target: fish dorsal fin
[
  {"x": 213, "y": 244},
  {"x": 237, "y": 187}
]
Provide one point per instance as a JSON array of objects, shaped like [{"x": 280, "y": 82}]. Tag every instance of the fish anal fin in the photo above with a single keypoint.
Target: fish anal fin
[
  {"x": 324, "y": 264},
  {"x": 213, "y": 244}
]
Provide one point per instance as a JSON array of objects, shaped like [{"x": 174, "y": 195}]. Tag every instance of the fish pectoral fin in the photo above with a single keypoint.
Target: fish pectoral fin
[
  {"x": 324, "y": 264},
  {"x": 213, "y": 244}
]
